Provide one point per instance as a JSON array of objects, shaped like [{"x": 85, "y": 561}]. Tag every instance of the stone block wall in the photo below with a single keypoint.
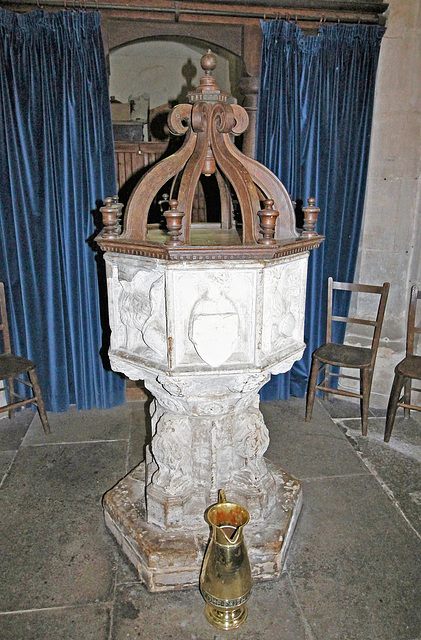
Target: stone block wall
[{"x": 390, "y": 243}]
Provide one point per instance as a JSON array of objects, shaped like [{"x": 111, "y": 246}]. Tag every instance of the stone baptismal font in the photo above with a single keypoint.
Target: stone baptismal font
[{"x": 204, "y": 314}]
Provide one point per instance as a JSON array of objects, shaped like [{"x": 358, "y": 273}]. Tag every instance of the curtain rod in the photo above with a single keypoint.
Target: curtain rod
[{"x": 286, "y": 15}]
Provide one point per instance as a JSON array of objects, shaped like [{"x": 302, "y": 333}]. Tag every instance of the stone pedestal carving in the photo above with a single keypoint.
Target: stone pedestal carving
[{"x": 204, "y": 337}]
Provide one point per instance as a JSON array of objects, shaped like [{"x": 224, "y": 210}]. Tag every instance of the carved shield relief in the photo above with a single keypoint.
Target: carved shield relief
[{"x": 214, "y": 335}]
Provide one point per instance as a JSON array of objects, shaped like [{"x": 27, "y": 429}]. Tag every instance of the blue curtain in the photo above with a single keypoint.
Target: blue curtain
[
  {"x": 56, "y": 164},
  {"x": 314, "y": 122}
]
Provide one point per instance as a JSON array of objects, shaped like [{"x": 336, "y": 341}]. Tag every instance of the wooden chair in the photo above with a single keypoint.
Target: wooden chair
[
  {"x": 341, "y": 355},
  {"x": 12, "y": 367},
  {"x": 406, "y": 370}
]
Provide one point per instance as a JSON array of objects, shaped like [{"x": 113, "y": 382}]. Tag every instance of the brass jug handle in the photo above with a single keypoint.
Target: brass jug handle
[{"x": 221, "y": 496}]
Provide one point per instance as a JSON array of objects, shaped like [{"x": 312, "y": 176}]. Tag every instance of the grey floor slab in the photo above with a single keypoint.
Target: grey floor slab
[
  {"x": 307, "y": 449},
  {"x": 406, "y": 434},
  {"x": 273, "y": 615},
  {"x": 77, "y": 623},
  {"x": 397, "y": 463},
  {"x": 355, "y": 564},
  {"x": 337, "y": 407},
  {"x": 82, "y": 426},
  {"x": 55, "y": 548},
  {"x": 6, "y": 459},
  {"x": 12, "y": 432}
]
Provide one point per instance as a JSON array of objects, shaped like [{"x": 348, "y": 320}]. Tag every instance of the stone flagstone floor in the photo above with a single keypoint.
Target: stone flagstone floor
[{"x": 353, "y": 571}]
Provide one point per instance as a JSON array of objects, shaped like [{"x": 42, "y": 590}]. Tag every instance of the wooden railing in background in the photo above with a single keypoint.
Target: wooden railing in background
[{"x": 131, "y": 157}]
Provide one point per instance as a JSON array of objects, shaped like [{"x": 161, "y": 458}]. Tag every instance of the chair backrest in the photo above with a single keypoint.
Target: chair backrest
[
  {"x": 411, "y": 328},
  {"x": 383, "y": 291},
  {"x": 4, "y": 326}
]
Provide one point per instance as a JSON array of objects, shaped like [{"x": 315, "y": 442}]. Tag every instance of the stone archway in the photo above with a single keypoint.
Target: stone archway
[{"x": 242, "y": 42}]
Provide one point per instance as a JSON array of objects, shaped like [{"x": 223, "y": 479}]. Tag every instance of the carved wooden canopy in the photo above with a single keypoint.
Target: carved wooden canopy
[{"x": 208, "y": 123}]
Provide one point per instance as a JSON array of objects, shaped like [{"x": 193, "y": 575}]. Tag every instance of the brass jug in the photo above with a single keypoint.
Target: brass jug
[{"x": 225, "y": 579}]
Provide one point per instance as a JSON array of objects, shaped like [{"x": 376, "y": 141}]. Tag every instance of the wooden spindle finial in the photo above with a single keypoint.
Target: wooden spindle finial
[
  {"x": 111, "y": 217},
  {"x": 267, "y": 222},
  {"x": 310, "y": 219},
  {"x": 208, "y": 90},
  {"x": 208, "y": 62},
  {"x": 209, "y": 166},
  {"x": 174, "y": 220}
]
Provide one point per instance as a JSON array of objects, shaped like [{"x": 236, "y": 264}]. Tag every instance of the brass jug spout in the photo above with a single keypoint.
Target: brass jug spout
[{"x": 225, "y": 580}]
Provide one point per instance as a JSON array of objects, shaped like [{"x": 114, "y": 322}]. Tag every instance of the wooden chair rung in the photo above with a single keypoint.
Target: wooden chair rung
[
  {"x": 415, "y": 407},
  {"x": 370, "y": 323},
  {"x": 17, "y": 405},
  {"x": 355, "y": 286},
  {"x": 343, "y": 375},
  {"x": 22, "y": 381},
  {"x": 16, "y": 395},
  {"x": 339, "y": 392}
]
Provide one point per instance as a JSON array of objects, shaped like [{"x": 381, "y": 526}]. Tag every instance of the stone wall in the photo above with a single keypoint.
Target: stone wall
[
  {"x": 390, "y": 242},
  {"x": 163, "y": 69}
]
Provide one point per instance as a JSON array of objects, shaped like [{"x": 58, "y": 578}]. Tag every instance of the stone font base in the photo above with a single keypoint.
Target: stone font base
[{"x": 171, "y": 560}]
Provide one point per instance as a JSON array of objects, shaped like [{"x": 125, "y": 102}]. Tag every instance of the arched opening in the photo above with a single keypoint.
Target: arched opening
[
  {"x": 147, "y": 78},
  {"x": 166, "y": 68}
]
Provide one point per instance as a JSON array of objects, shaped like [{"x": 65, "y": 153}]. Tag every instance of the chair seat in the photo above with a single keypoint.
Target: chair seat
[
  {"x": 343, "y": 355},
  {"x": 11, "y": 365},
  {"x": 410, "y": 367}
]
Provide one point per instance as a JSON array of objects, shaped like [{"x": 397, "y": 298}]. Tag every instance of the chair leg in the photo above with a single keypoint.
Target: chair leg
[
  {"x": 365, "y": 389},
  {"x": 407, "y": 398},
  {"x": 40, "y": 403},
  {"x": 392, "y": 406},
  {"x": 311, "y": 390},
  {"x": 9, "y": 387},
  {"x": 326, "y": 380}
]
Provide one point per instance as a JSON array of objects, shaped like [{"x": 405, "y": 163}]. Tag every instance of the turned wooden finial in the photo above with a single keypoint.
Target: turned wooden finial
[
  {"x": 174, "y": 220},
  {"x": 267, "y": 223},
  {"x": 209, "y": 166},
  {"x": 310, "y": 219},
  {"x": 208, "y": 62},
  {"x": 208, "y": 90},
  {"x": 111, "y": 217}
]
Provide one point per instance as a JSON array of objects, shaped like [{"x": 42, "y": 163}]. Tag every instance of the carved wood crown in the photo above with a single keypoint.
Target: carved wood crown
[{"x": 208, "y": 122}]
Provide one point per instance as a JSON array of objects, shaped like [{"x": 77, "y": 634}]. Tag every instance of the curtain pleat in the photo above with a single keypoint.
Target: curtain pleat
[
  {"x": 56, "y": 165},
  {"x": 314, "y": 122}
]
